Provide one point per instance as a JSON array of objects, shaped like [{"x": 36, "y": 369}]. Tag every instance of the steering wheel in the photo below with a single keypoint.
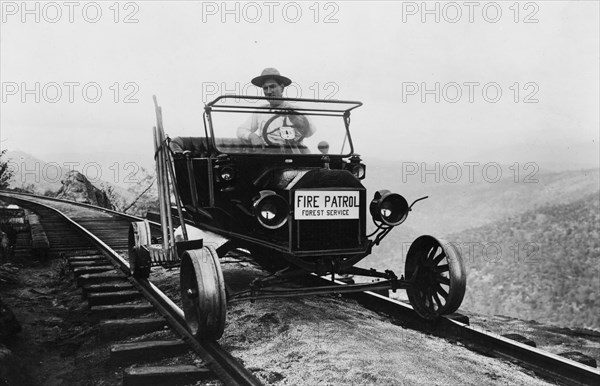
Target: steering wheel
[{"x": 292, "y": 132}]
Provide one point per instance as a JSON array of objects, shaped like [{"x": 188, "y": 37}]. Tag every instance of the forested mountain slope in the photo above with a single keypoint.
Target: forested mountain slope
[{"x": 543, "y": 264}]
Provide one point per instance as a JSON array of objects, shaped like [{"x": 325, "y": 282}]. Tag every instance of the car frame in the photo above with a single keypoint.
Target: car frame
[{"x": 297, "y": 208}]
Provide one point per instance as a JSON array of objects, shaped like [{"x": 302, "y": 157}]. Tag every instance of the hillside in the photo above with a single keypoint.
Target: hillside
[
  {"x": 77, "y": 188},
  {"x": 542, "y": 265},
  {"x": 532, "y": 251}
]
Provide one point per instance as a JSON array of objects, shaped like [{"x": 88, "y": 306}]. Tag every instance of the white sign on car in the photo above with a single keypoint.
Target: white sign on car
[{"x": 326, "y": 205}]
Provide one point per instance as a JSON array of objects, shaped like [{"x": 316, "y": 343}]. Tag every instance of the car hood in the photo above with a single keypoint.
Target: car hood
[{"x": 306, "y": 178}]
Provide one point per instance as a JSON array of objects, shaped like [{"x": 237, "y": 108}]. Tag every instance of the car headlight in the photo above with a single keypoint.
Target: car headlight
[
  {"x": 358, "y": 170},
  {"x": 224, "y": 168},
  {"x": 356, "y": 167},
  {"x": 271, "y": 210},
  {"x": 389, "y": 208},
  {"x": 227, "y": 173}
]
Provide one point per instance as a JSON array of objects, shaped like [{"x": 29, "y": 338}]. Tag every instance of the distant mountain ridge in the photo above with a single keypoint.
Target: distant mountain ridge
[
  {"x": 112, "y": 167},
  {"x": 29, "y": 169},
  {"x": 47, "y": 176},
  {"x": 454, "y": 206},
  {"x": 47, "y": 171}
]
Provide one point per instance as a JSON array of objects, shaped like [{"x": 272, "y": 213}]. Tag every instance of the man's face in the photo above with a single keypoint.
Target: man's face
[{"x": 272, "y": 89}]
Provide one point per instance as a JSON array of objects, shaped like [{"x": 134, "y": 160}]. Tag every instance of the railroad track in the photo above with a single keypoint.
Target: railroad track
[
  {"x": 90, "y": 238},
  {"x": 553, "y": 367}
]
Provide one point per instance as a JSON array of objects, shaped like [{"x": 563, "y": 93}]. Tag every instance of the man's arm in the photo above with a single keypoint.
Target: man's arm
[
  {"x": 248, "y": 127},
  {"x": 247, "y": 131}
]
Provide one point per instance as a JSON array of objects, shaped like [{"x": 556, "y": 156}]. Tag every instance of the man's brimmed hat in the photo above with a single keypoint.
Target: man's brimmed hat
[{"x": 271, "y": 73}]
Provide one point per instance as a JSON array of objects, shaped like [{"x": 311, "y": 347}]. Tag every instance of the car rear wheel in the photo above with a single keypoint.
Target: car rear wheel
[
  {"x": 439, "y": 278},
  {"x": 203, "y": 293},
  {"x": 139, "y": 257}
]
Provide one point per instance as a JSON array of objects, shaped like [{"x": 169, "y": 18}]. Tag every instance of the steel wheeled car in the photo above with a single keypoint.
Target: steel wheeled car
[{"x": 293, "y": 198}]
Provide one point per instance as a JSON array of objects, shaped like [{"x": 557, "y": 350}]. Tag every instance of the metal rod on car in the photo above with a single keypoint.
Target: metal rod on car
[
  {"x": 163, "y": 197},
  {"x": 176, "y": 193},
  {"x": 168, "y": 243},
  {"x": 259, "y": 294},
  {"x": 159, "y": 182},
  {"x": 165, "y": 194},
  {"x": 168, "y": 195}
]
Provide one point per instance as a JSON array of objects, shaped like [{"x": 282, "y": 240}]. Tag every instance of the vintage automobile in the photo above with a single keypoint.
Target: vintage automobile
[{"x": 290, "y": 194}]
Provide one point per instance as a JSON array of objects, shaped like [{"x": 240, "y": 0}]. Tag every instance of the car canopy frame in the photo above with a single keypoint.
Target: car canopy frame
[{"x": 314, "y": 107}]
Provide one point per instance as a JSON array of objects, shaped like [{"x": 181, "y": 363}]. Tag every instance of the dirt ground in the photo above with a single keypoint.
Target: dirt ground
[
  {"x": 57, "y": 343},
  {"x": 60, "y": 343}
]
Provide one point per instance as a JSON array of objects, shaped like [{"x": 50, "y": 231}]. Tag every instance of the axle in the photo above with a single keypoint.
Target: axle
[{"x": 265, "y": 293}]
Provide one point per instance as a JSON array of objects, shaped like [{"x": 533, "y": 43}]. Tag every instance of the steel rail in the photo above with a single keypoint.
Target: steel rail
[
  {"x": 227, "y": 368},
  {"x": 89, "y": 206}
]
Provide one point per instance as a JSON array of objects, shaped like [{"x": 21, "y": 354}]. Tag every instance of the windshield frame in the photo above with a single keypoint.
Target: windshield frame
[{"x": 331, "y": 108}]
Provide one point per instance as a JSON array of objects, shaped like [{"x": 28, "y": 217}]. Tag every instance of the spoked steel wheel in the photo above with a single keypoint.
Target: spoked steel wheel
[
  {"x": 439, "y": 276},
  {"x": 203, "y": 293},
  {"x": 139, "y": 258}
]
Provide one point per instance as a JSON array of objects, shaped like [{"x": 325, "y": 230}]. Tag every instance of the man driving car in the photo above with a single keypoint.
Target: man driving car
[{"x": 274, "y": 127}]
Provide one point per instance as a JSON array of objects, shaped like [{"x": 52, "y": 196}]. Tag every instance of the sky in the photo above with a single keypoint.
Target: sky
[{"x": 506, "y": 82}]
